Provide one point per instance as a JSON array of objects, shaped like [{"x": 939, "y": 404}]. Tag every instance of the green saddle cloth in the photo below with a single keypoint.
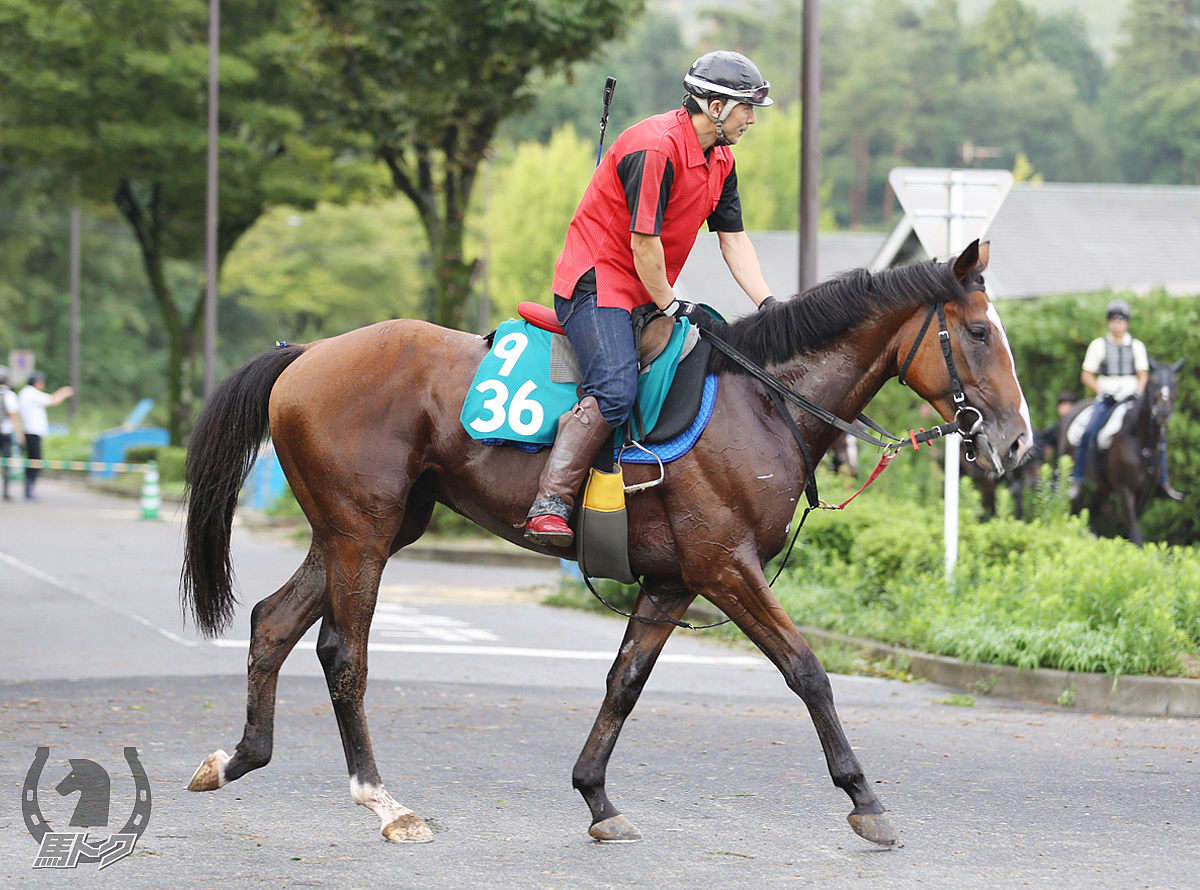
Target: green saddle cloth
[{"x": 517, "y": 397}]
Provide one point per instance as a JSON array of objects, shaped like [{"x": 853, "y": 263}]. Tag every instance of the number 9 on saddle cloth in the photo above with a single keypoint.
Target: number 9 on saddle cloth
[{"x": 530, "y": 377}]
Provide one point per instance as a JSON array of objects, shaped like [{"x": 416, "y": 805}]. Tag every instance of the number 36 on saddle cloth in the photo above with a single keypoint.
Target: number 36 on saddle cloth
[{"x": 529, "y": 378}]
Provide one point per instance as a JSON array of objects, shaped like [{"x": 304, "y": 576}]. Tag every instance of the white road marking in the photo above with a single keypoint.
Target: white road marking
[
  {"x": 93, "y": 599},
  {"x": 521, "y": 652}
]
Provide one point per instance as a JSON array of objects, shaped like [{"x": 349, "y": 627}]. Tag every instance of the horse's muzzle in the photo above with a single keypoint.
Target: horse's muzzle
[{"x": 1000, "y": 460}]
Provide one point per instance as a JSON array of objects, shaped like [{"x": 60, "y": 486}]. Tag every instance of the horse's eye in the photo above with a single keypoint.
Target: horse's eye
[{"x": 978, "y": 332}]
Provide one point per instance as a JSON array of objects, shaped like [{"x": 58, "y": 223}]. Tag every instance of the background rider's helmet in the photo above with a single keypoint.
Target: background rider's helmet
[
  {"x": 1118, "y": 308},
  {"x": 725, "y": 74}
]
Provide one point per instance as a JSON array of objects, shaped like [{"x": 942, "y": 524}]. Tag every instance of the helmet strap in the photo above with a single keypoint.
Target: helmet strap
[{"x": 719, "y": 120}]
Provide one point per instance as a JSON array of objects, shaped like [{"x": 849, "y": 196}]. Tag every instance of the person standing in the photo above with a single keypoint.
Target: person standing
[
  {"x": 660, "y": 182},
  {"x": 34, "y": 400},
  {"x": 10, "y": 426}
]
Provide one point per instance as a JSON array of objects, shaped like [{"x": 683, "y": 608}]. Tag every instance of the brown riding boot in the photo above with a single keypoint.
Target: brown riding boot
[{"x": 582, "y": 432}]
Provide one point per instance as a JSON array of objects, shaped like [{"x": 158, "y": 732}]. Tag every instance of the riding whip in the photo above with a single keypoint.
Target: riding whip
[{"x": 609, "y": 86}]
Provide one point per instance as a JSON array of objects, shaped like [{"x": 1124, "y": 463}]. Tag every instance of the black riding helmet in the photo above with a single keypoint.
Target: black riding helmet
[{"x": 725, "y": 75}]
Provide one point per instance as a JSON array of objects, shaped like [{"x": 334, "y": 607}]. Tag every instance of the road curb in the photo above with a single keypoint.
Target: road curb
[{"x": 1096, "y": 693}]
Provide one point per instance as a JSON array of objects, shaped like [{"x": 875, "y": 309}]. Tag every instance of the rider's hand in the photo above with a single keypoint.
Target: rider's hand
[
  {"x": 693, "y": 312},
  {"x": 768, "y": 303}
]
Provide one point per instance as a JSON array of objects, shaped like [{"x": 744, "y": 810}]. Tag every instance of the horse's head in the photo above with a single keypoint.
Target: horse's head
[
  {"x": 1160, "y": 391},
  {"x": 966, "y": 369}
]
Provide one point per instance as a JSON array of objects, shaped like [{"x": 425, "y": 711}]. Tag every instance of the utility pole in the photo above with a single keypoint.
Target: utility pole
[
  {"x": 210, "y": 219},
  {"x": 810, "y": 142}
]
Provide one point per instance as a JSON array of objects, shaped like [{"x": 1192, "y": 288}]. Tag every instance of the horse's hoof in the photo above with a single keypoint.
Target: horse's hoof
[
  {"x": 615, "y": 830},
  {"x": 210, "y": 775},
  {"x": 408, "y": 829},
  {"x": 874, "y": 827}
]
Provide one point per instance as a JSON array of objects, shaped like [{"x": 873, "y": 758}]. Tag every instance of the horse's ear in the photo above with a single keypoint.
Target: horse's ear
[
  {"x": 1154, "y": 366},
  {"x": 1179, "y": 364},
  {"x": 973, "y": 259}
]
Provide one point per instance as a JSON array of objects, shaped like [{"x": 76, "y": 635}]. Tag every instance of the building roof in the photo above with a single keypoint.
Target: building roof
[
  {"x": 1065, "y": 238},
  {"x": 706, "y": 279}
]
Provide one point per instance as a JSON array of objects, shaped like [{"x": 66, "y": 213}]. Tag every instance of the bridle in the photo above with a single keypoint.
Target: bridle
[
  {"x": 779, "y": 391},
  {"x": 962, "y": 410}
]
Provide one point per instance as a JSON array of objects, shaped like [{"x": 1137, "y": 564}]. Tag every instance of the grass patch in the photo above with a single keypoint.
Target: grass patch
[{"x": 1034, "y": 594}]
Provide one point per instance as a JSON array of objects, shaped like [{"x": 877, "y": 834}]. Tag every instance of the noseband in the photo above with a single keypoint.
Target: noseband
[{"x": 968, "y": 427}]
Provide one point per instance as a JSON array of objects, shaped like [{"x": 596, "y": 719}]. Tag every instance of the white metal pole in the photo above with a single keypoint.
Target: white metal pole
[{"x": 954, "y": 222}]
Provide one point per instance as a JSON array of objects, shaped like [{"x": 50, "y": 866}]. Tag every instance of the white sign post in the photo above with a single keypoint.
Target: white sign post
[{"x": 949, "y": 209}]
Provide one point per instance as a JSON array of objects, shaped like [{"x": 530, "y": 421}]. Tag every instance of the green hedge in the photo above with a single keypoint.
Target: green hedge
[
  {"x": 1044, "y": 593},
  {"x": 1049, "y": 337}
]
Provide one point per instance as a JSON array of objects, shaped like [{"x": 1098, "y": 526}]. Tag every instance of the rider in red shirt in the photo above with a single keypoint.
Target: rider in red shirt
[{"x": 660, "y": 182}]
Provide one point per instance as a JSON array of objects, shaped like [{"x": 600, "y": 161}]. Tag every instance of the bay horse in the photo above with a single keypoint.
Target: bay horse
[
  {"x": 366, "y": 426},
  {"x": 1131, "y": 467}
]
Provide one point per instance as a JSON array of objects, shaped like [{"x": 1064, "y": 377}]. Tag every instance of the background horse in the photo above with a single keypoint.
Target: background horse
[
  {"x": 1131, "y": 467},
  {"x": 366, "y": 426},
  {"x": 1018, "y": 481}
]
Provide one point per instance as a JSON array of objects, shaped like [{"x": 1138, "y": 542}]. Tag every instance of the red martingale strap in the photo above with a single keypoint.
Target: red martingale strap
[{"x": 883, "y": 465}]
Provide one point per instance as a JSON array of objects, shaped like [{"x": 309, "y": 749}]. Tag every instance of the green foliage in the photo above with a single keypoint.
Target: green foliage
[
  {"x": 85, "y": 92},
  {"x": 534, "y": 191},
  {"x": 319, "y": 273},
  {"x": 170, "y": 460},
  {"x": 1049, "y": 337},
  {"x": 428, "y": 84},
  {"x": 1030, "y": 594}
]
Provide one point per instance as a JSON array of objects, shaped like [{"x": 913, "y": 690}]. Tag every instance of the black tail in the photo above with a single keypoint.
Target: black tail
[{"x": 222, "y": 449}]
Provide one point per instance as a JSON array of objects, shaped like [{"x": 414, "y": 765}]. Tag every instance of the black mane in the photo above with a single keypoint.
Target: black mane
[{"x": 832, "y": 308}]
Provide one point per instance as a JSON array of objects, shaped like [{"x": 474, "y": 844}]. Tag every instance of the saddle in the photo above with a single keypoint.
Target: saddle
[{"x": 652, "y": 332}]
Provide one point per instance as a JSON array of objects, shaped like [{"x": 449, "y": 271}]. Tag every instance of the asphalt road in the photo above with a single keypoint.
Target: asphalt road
[{"x": 479, "y": 702}]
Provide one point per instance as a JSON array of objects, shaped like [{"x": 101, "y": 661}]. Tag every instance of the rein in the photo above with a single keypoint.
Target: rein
[{"x": 779, "y": 391}]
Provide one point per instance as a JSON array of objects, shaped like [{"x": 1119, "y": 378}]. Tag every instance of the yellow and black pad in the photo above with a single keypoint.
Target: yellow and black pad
[{"x": 602, "y": 528}]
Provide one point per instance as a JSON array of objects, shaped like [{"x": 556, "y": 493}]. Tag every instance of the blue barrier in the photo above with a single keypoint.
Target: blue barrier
[{"x": 266, "y": 481}]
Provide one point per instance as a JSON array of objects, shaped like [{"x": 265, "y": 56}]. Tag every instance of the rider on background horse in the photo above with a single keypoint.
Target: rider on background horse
[
  {"x": 630, "y": 236},
  {"x": 1116, "y": 368}
]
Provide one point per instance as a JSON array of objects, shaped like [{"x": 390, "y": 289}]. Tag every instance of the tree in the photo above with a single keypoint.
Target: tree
[
  {"x": 649, "y": 63},
  {"x": 535, "y": 191},
  {"x": 114, "y": 92},
  {"x": 330, "y": 270},
  {"x": 429, "y": 83},
  {"x": 1154, "y": 95}
]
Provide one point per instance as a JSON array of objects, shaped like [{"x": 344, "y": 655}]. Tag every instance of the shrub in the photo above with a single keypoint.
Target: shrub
[{"x": 1039, "y": 594}]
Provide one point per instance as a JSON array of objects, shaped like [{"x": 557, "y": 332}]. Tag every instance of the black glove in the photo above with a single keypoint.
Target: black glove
[
  {"x": 767, "y": 303},
  {"x": 693, "y": 312}
]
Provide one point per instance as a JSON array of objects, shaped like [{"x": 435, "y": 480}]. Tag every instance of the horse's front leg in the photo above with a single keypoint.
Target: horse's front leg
[
  {"x": 355, "y": 567},
  {"x": 276, "y": 625},
  {"x": 1129, "y": 503},
  {"x": 645, "y": 637},
  {"x": 743, "y": 594}
]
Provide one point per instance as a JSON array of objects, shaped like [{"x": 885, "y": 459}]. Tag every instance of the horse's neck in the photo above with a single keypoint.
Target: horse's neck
[
  {"x": 1146, "y": 429},
  {"x": 839, "y": 379}
]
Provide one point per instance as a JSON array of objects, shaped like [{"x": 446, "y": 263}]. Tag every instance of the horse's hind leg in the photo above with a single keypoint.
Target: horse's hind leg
[
  {"x": 645, "y": 637},
  {"x": 754, "y": 608},
  {"x": 355, "y": 567},
  {"x": 277, "y": 623}
]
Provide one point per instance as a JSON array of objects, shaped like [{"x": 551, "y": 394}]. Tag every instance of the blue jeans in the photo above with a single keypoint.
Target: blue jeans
[
  {"x": 603, "y": 342},
  {"x": 1103, "y": 410}
]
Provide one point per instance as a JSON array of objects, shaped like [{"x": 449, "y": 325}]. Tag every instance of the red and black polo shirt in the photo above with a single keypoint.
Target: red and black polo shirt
[{"x": 654, "y": 180}]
